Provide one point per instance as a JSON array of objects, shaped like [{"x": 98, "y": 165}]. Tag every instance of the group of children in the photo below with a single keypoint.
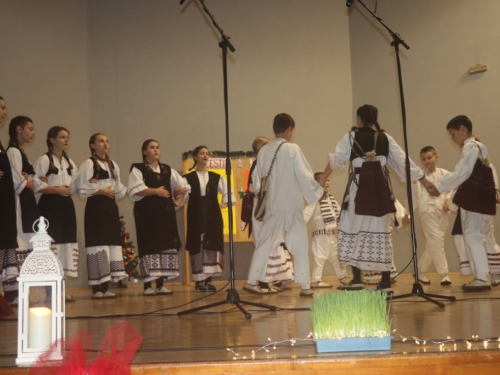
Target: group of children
[
  {"x": 362, "y": 220},
  {"x": 156, "y": 189}
]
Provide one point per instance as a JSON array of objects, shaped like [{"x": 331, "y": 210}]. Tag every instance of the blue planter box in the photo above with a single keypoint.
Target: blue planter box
[{"x": 360, "y": 344}]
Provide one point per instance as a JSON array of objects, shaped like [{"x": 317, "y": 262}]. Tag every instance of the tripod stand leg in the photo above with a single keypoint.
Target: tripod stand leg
[
  {"x": 263, "y": 305},
  {"x": 450, "y": 298},
  {"x": 201, "y": 308},
  {"x": 440, "y": 304},
  {"x": 247, "y": 314}
]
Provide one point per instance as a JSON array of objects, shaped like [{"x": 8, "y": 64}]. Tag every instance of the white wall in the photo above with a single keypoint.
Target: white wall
[
  {"x": 155, "y": 71},
  {"x": 136, "y": 70},
  {"x": 445, "y": 38},
  {"x": 43, "y": 75}
]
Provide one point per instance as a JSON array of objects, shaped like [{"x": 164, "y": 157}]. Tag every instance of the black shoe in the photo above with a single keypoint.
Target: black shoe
[
  {"x": 200, "y": 287},
  {"x": 121, "y": 285},
  {"x": 210, "y": 287}
]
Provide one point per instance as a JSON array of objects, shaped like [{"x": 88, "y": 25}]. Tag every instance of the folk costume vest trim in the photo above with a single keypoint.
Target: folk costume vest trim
[
  {"x": 102, "y": 219},
  {"x": 8, "y": 226},
  {"x": 155, "y": 218},
  {"x": 54, "y": 169},
  {"x": 204, "y": 215},
  {"x": 478, "y": 193},
  {"x": 374, "y": 195},
  {"x": 29, "y": 208},
  {"x": 59, "y": 211}
]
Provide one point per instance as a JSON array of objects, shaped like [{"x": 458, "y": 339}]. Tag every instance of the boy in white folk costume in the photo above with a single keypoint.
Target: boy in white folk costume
[
  {"x": 477, "y": 204},
  {"x": 291, "y": 181},
  {"x": 324, "y": 218},
  {"x": 434, "y": 218}
]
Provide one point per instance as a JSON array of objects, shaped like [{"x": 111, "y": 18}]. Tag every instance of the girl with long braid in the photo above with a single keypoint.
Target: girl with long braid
[
  {"x": 99, "y": 182},
  {"x": 364, "y": 235},
  {"x": 56, "y": 204},
  {"x": 21, "y": 132},
  {"x": 205, "y": 239},
  {"x": 151, "y": 186}
]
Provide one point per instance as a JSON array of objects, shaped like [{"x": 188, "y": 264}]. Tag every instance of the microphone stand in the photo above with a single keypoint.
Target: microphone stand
[
  {"x": 232, "y": 294},
  {"x": 417, "y": 290}
]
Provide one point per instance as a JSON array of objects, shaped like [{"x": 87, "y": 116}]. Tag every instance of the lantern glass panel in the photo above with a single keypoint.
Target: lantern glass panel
[{"x": 39, "y": 316}]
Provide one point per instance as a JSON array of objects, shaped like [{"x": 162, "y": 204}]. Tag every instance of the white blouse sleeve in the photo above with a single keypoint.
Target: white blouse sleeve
[
  {"x": 342, "y": 153},
  {"x": 397, "y": 161},
  {"x": 73, "y": 184},
  {"x": 222, "y": 188},
  {"x": 86, "y": 189},
  {"x": 176, "y": 181},
  {"x": 120, "y": 189},
  {"x": 135, "y": 184},
  {"x": 41, "y": 167},
  {"x": 463, "y": 169},
  {"x": 16, "y": 165},
  {"x": 186, "y": 196}
]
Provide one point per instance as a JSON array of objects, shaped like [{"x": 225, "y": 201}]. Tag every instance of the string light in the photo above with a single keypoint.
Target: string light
[{"x": 418, "y": 341}]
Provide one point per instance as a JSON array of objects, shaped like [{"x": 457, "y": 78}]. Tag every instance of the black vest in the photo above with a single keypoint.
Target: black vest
[
  {"x": 365, "y": 138},
  {"x": 155, "y": 218},
  {"x": 54, "y": 169},
  {"x": 204, "y": 215}
]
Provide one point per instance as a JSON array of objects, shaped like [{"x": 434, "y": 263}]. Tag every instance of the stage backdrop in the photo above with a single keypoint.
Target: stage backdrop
[{"x": 240, "y": 170}]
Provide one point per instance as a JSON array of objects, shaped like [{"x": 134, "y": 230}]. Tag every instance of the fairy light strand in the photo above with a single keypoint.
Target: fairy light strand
[{"x": 441, "y": 343}]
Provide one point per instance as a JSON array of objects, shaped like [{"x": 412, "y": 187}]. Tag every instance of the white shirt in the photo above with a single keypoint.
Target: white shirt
[
  {"x": 62, "y": 177},
  {"x": 136, "y": 182},
  {"x": 396, "y": 158},
  {"x": 463, "y": 170},
  {"x": 221, "y": 187},
  {"x": 291, "y": 179},
  {"x": 422, "y": 200},
  {"x": 16, "y": 165},
  {"x": 86, "y": 189}
]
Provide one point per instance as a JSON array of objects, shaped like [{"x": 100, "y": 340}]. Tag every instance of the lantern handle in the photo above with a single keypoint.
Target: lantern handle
[{"x": 42, "y": 227}]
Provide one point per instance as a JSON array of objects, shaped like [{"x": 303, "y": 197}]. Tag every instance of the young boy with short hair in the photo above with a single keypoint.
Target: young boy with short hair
[
  {"x": 434, "y": 217},
  {"x": 291, "y": 182},
  {"x": 477, "y": 226},
  {"x": 324, "y": 218}
]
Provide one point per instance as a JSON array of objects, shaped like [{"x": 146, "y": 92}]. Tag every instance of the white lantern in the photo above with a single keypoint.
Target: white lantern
[{"x": 41, "y": 300}]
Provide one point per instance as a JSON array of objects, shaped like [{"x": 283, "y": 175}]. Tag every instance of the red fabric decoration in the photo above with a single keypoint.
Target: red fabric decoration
[
  {"x": 114, "y": 357},
  {"x": 5, "y": 309}
]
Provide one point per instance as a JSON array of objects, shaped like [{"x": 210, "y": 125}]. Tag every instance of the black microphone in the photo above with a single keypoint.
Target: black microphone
[
  {"x": 181, "y": 2},
  {"x": 348, "y": 3}
]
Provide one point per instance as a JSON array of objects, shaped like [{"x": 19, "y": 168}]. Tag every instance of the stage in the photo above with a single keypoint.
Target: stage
[{"x": 206, "y": 342}]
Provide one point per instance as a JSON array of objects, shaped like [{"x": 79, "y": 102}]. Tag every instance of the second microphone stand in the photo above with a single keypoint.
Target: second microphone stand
[
  {"x": 417, "y": 290},
  {"x": 233, "y": 296}
]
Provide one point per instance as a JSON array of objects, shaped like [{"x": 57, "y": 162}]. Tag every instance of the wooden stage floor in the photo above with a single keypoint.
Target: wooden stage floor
[{"x": 199, "y": 343}]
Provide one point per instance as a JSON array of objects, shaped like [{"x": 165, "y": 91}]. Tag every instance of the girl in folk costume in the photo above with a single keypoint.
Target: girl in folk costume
[
  {"x": 8, "y": 224},
  {"x": 22, "y": 131},
  {"x": 279, "y": 265},
  {"x": 365, "y": 241},
  {"x": 99, "y": 182},
  {"x": 55, "y": 203},
  {"x": 150, "y": 186},
  {"x": 205, "y": 239}
]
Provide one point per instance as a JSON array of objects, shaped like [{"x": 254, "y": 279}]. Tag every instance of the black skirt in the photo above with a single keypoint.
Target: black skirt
[
  {"x": 8, "y": 224},
  {"x": 29, "y": 210},
  {"x": 156, "y": 225},
  {"x": 60, "y": 212},
  {"x": 102, "y": 222}
]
